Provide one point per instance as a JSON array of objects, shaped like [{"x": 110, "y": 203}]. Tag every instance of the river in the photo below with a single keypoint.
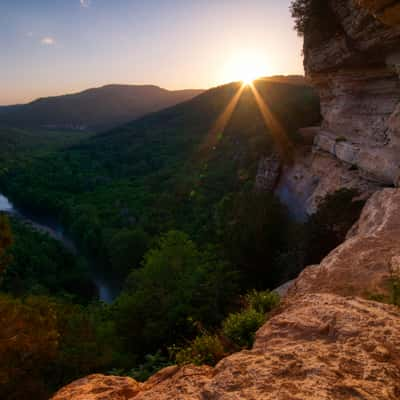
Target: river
[{"x": 107, "y": 290}]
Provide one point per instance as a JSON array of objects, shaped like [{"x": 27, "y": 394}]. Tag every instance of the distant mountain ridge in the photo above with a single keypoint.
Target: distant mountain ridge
[{"x": 94, "y": 109}]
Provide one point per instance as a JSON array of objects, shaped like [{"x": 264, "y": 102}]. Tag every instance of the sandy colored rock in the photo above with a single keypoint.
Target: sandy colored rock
[
  {"x": 99, "y": 387},
  {"x": 355, "y": 72},
  {"x": 319, "y": 347},
  {"x": 367, "y": 260},
  {"x": 313, "y": 176},
  {"x": 355, "y": 65},
  {"x": 185, "y": 384}
]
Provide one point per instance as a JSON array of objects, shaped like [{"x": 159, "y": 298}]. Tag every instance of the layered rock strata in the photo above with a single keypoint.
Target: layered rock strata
[{"x": 353, "y": 59}]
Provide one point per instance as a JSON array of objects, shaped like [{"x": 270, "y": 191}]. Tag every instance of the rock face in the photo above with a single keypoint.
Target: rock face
[
  {"x": 367, "y": 261},
  {"x": 352, "y": 57},
  {"x": 96, "y": 387},
  {"x": 320, "y": 345}
]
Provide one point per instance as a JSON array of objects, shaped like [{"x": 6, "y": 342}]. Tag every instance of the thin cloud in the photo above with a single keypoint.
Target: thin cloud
[
  {"x": 85, "y": 3},
  {"x": 48, "y": 41}
]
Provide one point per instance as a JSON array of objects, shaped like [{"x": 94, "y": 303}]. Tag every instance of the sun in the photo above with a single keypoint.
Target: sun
[{"x": 246, "y": 67}]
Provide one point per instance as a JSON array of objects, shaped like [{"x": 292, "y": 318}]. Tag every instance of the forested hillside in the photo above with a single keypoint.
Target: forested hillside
[
  {"x": 166, "y": 205},
  {"x": 94, "y": 109},
  {"x": 169, "y": 170},
  {"x": 17, "y": 143}
]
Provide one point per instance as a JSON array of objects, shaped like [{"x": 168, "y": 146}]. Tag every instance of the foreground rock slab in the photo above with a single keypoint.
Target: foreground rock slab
[
  {"x": 368, "y": 260},
  {"x": 319, "y": 347},
  {"x": 97, "y": 387}
]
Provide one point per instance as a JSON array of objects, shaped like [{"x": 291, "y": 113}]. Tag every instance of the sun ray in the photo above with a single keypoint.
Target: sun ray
[
  {"x": 283, "y": 144},
  {"x": 222, "y": 121}
]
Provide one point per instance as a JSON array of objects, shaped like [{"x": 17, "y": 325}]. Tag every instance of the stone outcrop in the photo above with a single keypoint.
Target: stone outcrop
[
  {"x": 320, "y": 345},
  {"x": 354, "y": 64},
  {"x": 312, "y": 176},
  {"x": 97, "y": 386},
  {"x": 368, "y": 260}
]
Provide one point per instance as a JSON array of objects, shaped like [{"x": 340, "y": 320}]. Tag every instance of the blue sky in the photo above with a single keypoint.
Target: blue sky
[{"x": 62, "y": 46}]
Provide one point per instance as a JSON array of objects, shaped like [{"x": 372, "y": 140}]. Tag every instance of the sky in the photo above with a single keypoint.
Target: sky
[{"x": 52, "y": 47}]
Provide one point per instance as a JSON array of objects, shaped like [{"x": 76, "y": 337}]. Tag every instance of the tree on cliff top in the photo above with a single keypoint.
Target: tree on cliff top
[{"x": 314, "y": 17}]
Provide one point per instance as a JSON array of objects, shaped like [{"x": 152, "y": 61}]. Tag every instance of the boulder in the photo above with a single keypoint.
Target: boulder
[
  {"x": 352, "y": 57},
  {"x": 367, "y": 261}
]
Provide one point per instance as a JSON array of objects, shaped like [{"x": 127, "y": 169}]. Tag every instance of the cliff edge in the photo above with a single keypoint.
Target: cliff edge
[{"x": 352, "y": 57}]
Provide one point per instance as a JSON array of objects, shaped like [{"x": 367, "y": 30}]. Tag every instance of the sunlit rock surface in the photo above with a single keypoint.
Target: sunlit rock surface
[
  {"x": 353, "y": 59},
  {"x": 319, "y": 347},
  {"x": 367, "y": 261},
  {"x": 100, "y": 387}
]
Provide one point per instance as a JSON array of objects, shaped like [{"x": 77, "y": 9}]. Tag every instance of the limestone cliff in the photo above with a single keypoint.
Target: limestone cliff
[{"x": 352, "y": 57}]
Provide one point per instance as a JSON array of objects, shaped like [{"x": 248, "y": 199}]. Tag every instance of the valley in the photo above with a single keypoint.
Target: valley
[{"x": 107, "y": 287}]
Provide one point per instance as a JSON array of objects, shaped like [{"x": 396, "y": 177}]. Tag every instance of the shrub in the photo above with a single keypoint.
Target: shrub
[
  {"x": 178, "y": 284},
  {"x": 255, "y": 232},
  {"x": 205, "y": 349},
  {"x": 241, "y": 327},
  {"x": 152, "y": 364},
  {"x": 262, "y": 302}
]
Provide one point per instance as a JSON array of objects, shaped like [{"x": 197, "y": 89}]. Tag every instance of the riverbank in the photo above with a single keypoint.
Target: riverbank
[{"x": 107, "y": 291}]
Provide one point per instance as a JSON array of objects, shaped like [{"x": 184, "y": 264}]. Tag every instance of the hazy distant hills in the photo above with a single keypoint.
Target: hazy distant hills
[{"x": 93, "y": 109}]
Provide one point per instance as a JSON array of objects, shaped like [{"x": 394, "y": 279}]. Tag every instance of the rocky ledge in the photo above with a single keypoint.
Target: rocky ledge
[
  {"x": 321, "y": 346},
  {"x": 352, "y": 57}
]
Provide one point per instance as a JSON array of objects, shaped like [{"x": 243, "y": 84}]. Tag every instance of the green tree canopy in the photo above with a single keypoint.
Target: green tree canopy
[{"x": 177, "y": 286}]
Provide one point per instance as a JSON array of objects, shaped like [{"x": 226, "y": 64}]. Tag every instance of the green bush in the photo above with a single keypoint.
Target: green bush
[
  {"x": 205, "y": 349},
  {"x": 241, "y": 327},
  {"x": 262, "y": 302},
  {"x": 152, "y": 364},
  {"x": 178, "y": 284}
]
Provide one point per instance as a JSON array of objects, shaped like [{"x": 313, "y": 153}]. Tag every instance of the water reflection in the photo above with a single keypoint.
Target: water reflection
[{"x": 107, "y": 292}]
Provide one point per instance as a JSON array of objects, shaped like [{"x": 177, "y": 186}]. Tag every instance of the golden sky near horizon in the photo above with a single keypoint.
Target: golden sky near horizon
[{"x": 57, "y": 47}]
